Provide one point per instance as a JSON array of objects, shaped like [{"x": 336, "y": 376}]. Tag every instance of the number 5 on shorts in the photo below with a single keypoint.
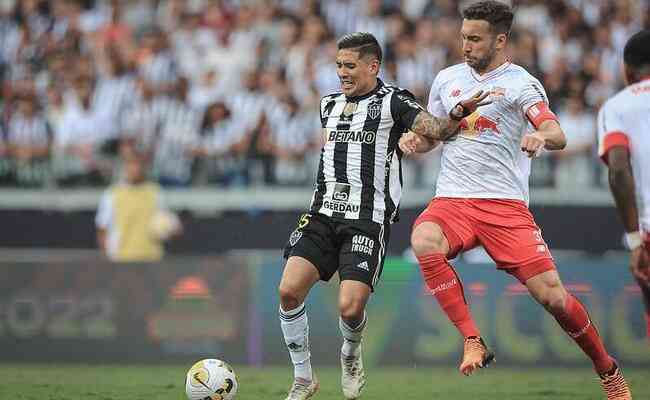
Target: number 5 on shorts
[{"x": 304, "y": 220}]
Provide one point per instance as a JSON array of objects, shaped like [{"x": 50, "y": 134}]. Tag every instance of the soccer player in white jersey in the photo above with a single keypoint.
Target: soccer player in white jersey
[
  {"x": 482, "y": 190},
  {"x": 624, "y": 145},
  {"x": 356, "y": 198}
]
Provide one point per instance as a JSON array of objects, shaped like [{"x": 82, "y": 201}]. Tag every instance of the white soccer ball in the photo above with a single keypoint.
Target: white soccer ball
[
  {"x": 164, "y": 224},
  {"x": 211, "y": 379}
]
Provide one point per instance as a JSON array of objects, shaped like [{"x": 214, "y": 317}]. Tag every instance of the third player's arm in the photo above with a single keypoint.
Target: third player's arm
[{"x": 621, "y": 182}]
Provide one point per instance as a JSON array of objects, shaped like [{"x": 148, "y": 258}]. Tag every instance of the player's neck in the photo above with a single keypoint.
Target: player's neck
[
  {"x": 365, "y": 93},
  {"x": 498, "y": 61}
]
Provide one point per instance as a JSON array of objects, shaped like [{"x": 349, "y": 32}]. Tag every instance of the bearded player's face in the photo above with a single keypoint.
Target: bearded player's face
[
  {"x": 358, "y": 76},
  {"x": 480, "y": 44}
]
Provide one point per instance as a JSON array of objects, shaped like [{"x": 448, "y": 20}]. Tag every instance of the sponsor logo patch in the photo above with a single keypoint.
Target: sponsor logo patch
[
  {"x": 367, "y": 137},
  {"x": 362, "y": 244},
  {"x": 295, "y": 236}
]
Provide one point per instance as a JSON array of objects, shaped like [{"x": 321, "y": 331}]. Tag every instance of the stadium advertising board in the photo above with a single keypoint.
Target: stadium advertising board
[
  {"x": 100, "y": 311},
  {"x": 226, "y": 307}
]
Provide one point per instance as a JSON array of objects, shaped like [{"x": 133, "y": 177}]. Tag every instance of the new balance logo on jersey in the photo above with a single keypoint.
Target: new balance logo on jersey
[
  {"x": 362, "y": 244},
  {"x": 364, "y": 265},
  {"x": 367, "y": 137}
]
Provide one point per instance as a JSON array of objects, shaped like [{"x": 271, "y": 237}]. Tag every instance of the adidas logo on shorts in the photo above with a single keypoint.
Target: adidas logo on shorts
[{"x": 363, "y": 265}]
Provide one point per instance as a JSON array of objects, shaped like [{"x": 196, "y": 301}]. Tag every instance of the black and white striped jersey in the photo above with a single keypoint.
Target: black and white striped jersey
[{"x": 360, "y": 171}]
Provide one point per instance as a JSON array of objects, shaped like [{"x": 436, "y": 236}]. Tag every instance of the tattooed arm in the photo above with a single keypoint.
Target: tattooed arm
[
  {"x": 432, "y": 128},
  {"x": 428, "y": 131}
]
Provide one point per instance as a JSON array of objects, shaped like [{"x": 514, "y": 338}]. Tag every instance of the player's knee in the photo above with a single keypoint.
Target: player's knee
[
  {"x": 351, "y": 307},
  {"x": 289, "y": 297},
  {"x": 554, "y": 299},
  {"x": 427, "y": 238}
]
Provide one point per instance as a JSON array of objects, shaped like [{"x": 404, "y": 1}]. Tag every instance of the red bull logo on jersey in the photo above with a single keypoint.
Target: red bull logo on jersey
[{"x": 475, "y": 124}]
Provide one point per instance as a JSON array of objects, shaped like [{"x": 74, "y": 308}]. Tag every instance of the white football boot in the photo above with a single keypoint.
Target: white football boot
[
  {"x": 353, "y": 377},
  {"x": 302, "y": 389}
]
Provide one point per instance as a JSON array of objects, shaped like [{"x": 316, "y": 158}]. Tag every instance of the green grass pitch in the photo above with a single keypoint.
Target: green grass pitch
[{"x": 118, "y": 382}]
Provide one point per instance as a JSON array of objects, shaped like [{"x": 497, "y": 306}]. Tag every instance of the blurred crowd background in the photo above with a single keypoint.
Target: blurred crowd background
[{"x": 225, "y": 93}]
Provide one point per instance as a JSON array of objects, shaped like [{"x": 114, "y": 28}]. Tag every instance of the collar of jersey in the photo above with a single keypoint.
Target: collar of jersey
[
  {"x": 498, "y": 70},
  {"x": 356, "y": 99}
]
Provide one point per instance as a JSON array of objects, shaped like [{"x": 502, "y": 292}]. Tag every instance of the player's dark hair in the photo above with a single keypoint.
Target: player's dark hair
[
  {"x": 637, "y": 50},
  {"x": 499, "y": 15},
  {"x": 363, "y": 42}
]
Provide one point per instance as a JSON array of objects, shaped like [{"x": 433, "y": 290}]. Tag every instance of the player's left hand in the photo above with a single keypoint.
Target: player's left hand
[
  {"x": 640, "y": 264},
  {"x": 533, "y": 144}
]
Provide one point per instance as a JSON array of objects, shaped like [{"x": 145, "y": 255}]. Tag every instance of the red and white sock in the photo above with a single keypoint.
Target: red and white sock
[
  {"x": 576, "y": 323},
  {"x": 445, "y": 285}
]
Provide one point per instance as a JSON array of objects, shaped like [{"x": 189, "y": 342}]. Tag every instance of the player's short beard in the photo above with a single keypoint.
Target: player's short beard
[{"x": 481, "y": 64}]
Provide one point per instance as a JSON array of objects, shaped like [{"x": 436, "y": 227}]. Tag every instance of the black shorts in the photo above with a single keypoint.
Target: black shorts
[{"x": 354, "y": 248}]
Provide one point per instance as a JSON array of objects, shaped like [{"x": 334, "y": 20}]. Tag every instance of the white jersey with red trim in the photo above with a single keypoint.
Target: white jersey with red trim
[
  {"x": 485, "y": 160},
  {"x": 624, "y": 120}
]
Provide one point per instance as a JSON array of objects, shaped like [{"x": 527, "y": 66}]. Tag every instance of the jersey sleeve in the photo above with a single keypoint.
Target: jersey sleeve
[
  {"x": 404, "y": 108},
  {"x": 327, "y": 103},
  {"x": 533, "y": 103},
  {"x": 611, "y": 132},
  {"x": 104, "y": 211},
  {"x": 435, "y": 105}
]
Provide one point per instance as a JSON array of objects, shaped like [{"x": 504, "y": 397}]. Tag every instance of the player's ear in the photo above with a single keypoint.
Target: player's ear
[
  {"x": 373, "y": 66},
  {"x": 501, "y": 40}
]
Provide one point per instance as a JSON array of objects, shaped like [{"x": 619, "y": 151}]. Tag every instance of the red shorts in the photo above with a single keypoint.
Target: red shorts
[{"x": 505, "y": 228}]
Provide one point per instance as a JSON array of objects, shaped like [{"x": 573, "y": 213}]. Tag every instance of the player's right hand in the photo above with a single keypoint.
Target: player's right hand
[
  {"x": 640, "y": 263},
  {"x": 409, "y": 142}
]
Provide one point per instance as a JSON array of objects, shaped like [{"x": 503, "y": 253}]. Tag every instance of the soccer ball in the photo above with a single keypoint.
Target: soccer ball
[
  {"x": 164, "y": 224},
  {"x": 211, "y": 379}
]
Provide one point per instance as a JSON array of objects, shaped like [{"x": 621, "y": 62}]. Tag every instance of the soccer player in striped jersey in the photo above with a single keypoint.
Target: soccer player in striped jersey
[
  {"x": 624, "y": 145},
  {"x": 356, "y": 198},
  {"x": 482, "y": 191}
]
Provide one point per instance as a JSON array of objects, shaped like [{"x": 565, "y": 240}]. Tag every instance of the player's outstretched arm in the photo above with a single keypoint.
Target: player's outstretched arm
[{"x": 441, "y": 129}]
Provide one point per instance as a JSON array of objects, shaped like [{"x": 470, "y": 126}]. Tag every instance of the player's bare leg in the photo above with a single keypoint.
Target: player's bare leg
[
  {"x": 353, "y": 296},
  {"x": 548, "y": 290},
  {"x": 297, "y": 279},
  {"x": 431, "y": 248}
]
